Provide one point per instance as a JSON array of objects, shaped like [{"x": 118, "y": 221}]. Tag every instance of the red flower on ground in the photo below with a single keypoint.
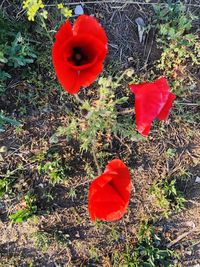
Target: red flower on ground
[
  {"x": 153, "y": 100},
  {"x": 78, "y": 53},
  {"x": 109, "y": 193}
]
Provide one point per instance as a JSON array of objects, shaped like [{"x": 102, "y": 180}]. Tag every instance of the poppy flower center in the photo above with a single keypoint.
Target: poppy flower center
[{"x": 78, "y": 57}]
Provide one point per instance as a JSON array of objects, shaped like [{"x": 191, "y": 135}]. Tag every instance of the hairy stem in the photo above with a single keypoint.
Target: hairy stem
[
  {"x": 43, "y": 24},
  {"x": 95, "y": 160}
]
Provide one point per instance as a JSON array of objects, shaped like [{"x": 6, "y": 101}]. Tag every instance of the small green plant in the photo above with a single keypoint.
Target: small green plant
[
  {"x": 41, "y": 240},
  {"x": 53, "y": 168},
  {"x": 61, "y": 238},
  {"x": 148, "y": 252},
  {"x": 16, "y": 54},
  {"x": 4, "y": 186},
  {"x": 19, "y": 53},
  {"x": 167, "y": 197},
  {"x": 5, "y": 120},
  {"x": 72, "y": 193},
  {"x": 3, "y": 78},
  {"x": 114, "y": 236},
  {"x": 179, "y": 45},
  {"x": 26, "y": 213},
  {"x": 171, "y": 153},
  {"x": 93, "y": 251},
  {"x": 101, "y": 118}
]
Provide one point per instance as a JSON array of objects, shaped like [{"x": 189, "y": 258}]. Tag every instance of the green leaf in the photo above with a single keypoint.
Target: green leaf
[{"x": 4, "y": 119}]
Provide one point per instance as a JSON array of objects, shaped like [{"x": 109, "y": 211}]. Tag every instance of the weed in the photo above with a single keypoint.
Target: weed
[
  {"x": 114, "y": 236},
  {"x": 4, "y": 186},
  {"x": 101, "y": 118},
  {"x": 89, "y": 170},
  {"x": 5, "y": 120},
  {"x": 62, "y": 238},
  {"x": 179, "y": 45},
  {"x": 148, "y": 252},
  {"x": 167, "y": 196},
  {"x": 41, "y": 240},
  {"x": 53, "y": 168},
  {"x": 27, "y": 212},
  {"x": 17, "y": 54},
  {"x": 93, "y": 253},
  {"x": 72, "y": 193},
  {"x": 48, "y": 196},
  {"x": 170, "y": 153},
  {"x": 99, "y": 121}
]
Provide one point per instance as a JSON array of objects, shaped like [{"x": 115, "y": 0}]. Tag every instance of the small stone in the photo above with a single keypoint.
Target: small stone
[
  {"x": 3, "y": 149},
  {"x": 41, "y": 185},
  {"x": 77, "y": 235},
  {"x": 79, "y": 10},
  {"x": 141, "y": 28},
  {"x": 190, "y": 224},
  {"x": 129, "y": 72},
  {"x": 130, "y": 59},
  {"x": 188, "y": 252},
  {"x": 53, "y": 139},
  {"x": 197, "y": 180}
]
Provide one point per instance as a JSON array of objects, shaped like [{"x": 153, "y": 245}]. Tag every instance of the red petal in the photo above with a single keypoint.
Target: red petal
[
  {"x": 144, "y": 129},
  {"x": 64, "y": 32},
  {"x": 114, "y": 165},
  {"x": 150, "y": 99},
  {"x": 164, "y": 113},
  {"x": 162, "y": 84},
  {"x": 89, "y": 25},
  {"x": 86, "y": 77},
  {"x": 109, "y": 194},
  {"x": 135, "y": 87},
  {"x": 106, "y": 204},
  {"x": 67, "y": 77}
]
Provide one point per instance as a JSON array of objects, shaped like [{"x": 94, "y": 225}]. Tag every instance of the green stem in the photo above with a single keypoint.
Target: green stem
[
  {"x": 43, "y": 24},
  {"x": 95, "y": 159}
]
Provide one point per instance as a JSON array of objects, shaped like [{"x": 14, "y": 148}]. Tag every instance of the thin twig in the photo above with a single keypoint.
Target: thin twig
[
  {"x": 124, "y": 144},
  {"x": 125, "y": 111},
  {"x": 188, "y": 104},
  {"x": 120, "y": 2},
  {"x": 78, "y": 99},
  {"x": 180, "y": 237},
  {"x": 83, "y": 183},
  {"x": 13, "y": 171}
]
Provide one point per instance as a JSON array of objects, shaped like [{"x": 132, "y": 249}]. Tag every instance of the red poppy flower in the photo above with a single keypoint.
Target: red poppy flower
[
  {"x": 153, "y": 100},
  {"x": 78, "y": 53},
  {"x": 109, "y": 193}
]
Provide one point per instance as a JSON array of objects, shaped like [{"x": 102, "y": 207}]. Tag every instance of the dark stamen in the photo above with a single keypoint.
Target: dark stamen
[{"x": 78, "y": 57}]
